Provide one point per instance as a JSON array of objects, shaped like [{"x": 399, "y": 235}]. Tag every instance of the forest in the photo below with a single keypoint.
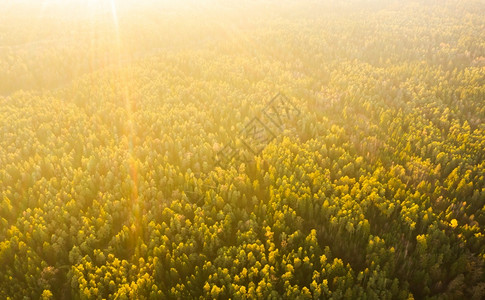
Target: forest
[{"x": 224, "y": 149}]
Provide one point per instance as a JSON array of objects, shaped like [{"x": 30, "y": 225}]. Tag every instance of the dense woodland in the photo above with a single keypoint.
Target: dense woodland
[{"x": 113, "y": 117}]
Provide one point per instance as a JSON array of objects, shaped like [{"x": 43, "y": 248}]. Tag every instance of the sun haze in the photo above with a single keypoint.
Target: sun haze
[{"x": 227, "y": 149}]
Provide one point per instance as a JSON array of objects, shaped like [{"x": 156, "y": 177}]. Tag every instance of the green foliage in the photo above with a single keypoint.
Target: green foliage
[{"x": 109, "y": 182}]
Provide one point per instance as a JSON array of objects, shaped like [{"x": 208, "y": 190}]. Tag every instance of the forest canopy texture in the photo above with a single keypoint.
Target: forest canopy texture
[{"x": 142, "y": 156}]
